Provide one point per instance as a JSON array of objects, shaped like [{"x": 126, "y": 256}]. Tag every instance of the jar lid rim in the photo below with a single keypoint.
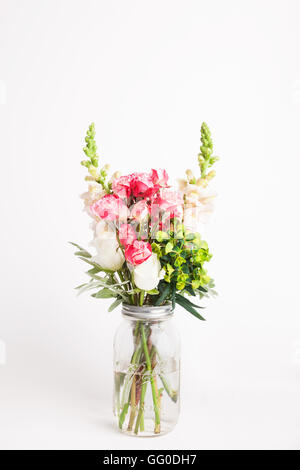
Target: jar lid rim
[{"x": 147, "y": 312}]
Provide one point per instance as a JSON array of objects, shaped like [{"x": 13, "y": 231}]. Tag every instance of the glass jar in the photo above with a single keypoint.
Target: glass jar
[{"x": 146, "y": 371}]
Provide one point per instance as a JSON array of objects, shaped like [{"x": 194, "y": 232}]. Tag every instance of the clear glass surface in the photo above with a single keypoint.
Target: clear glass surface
[{"x": 146, "y": 376}]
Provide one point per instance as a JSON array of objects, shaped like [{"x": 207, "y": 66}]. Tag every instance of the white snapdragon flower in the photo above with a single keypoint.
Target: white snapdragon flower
[
  {"x": 148, "y": 274},
  {"x": 109, "y": 254},
  {"x": 94, "y": 192},
  {"x": 198, "y": 206}
]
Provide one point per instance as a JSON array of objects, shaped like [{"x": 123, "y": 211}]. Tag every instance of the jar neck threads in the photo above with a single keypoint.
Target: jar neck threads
[{"x": 147, "y": 312}]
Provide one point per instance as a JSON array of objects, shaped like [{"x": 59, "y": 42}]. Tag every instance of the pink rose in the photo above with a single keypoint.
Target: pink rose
[
  {"x": 110, "y": 207},
  {"x": 142, "y": 185},
  {"x": 138, "y": 252},
  {"x": 170, "y": 202},
  {"x": 140, "y": 210},
  {"x": 122, "y": 186},
  {"x": 127, "y": 234},
  {"x": 160, "y": 178}
]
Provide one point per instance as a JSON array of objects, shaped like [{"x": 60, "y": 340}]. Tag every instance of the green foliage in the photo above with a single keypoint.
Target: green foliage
[
  {"x": 164, "y": 290},
  {"x": 182, "y": 255},
  {"x": 103, "y": 281},
  {"x": 161, "y": 236},
  {"x": 189, "y": 306}
]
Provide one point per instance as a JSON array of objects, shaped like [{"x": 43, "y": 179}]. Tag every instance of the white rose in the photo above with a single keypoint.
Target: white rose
[
  {"x": 148, "y": 274},
  {"x": 109, "y": 255}
]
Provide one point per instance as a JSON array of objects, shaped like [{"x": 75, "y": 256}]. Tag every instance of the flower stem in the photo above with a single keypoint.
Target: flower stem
[
  {"x": 133, "y": 405},
  {"x": 149, "y": 368},
  {"x": 173, "y": 394},
  {"x": 134, "y": 360},
  {"x": 140, "y": 417},
  {"x": 123, "y": 415},
  {"x": 120, "y": 272},
  {"x": 142, "y": 296}
]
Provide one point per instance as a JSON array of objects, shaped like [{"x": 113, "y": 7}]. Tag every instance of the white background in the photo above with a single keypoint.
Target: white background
[{"x": 148, "y": 73}]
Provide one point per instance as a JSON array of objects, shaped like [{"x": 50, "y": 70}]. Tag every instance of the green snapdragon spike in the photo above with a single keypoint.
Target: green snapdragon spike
[
  {"x": 91, "y": 148},
  {"x": 205, "y": 157},
  {"x": 92, "y": 163}
]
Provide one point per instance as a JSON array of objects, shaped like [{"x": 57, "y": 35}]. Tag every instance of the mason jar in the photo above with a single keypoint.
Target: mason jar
[{"x": 146, "y": 371}]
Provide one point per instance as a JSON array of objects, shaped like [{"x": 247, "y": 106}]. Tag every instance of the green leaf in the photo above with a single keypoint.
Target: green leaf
[
  {"x": 95, "y": 265},
  {"x": 179, "y": 261},
  {"x": 81, "y": 285},
  {"x": 152, "y": 292},
  {"x": 195, "y": 283},
  {"x": 83, "y": 253},
  {"x": 161, "y": 236},
  {"x": 164, "y": 294},
  {"x": 202, "y": 289},
  {"x": 115, "y": 304},
  {"x": 92, "y": 272},
  {"x": 190, "y": 236},
  {"x": 156, "y": 249},
  {"x": 190, "y": 290},
  {"x": 77, "y": 246},
  {"x": 169, "y": 247},
  {"x": 189, "y": 306},
  {"x": 173, "y": 296},
  {"x": 189, "y": 302},
  {"x": 104, "y": 294}
]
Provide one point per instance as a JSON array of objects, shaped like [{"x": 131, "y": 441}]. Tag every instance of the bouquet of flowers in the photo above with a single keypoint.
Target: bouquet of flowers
[
  {"x": 148, "y": 252},
  {"x": 148, "y": 249}
]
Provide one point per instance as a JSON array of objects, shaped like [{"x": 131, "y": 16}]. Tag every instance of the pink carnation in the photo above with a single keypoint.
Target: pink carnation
[
  {"x": 110, "y": 207},
  {"x": 122, "y": 186},
  {"x": 160, "y": 178},
  {"x": 170, "y": 202},
  {"x": 127, "y": 234},
  {"x": 142, "y": 185},
  {"x": 138, "y": 252},
  {"x": 140, "y": 210}
]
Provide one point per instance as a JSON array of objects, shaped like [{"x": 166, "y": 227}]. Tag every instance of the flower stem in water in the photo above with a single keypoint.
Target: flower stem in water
[{"x": 149, "y": 368}]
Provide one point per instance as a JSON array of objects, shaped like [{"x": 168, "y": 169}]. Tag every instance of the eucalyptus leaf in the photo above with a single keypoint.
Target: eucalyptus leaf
[
  {"x": 77, "y": 246},
  {"x": 115, "y": 304},
  {"x": 83, "y": 253},
  {"x": 95, "y": 265},
  {"x": 104, "y": 294},
  {"x": 92, "y": 271}
]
